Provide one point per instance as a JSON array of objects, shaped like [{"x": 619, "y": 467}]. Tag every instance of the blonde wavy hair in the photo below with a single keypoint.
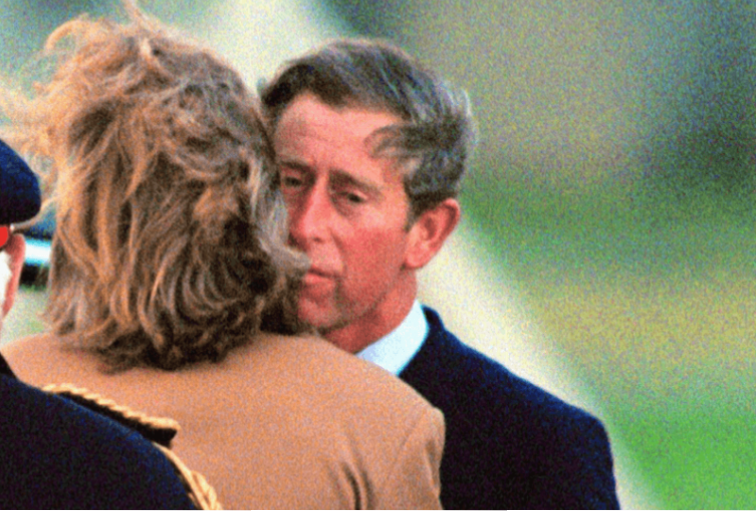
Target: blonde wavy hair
[{"x": 170, "y": 238}]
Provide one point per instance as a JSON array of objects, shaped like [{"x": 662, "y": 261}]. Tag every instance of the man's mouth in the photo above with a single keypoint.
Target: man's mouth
[{"x": 317, "y": 276}]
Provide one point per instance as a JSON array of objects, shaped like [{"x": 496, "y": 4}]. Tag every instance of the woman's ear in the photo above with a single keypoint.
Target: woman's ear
[
  {"x": 16, "y": 249},
  {"x": 429, "y": 232}
]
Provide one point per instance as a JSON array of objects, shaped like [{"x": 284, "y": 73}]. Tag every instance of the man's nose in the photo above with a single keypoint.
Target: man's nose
[{"x": 308, "y": 218}]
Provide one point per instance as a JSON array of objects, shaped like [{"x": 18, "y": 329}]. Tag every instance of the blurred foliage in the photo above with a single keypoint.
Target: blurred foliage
[
  {"x": 649, "y": 287},
  {"x": 713, "y": 163},
  {"x": 646, "y": 223}
]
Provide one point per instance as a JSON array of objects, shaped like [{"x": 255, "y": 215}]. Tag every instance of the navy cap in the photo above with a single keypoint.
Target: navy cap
[{"x": 20, "y": 198}]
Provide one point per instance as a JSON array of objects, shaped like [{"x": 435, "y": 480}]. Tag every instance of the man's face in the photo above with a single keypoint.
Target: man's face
[{"x": 348, "y": 211}]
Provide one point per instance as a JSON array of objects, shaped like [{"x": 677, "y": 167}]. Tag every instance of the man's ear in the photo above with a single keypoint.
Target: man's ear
[
  {"x": 16, "y": 249},
  {"x": 429, "y": 232}
]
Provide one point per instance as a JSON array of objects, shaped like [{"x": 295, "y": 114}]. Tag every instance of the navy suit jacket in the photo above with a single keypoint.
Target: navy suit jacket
[
  {"x": 509, "y": 444},
  {"x": 55, "y": 454}
]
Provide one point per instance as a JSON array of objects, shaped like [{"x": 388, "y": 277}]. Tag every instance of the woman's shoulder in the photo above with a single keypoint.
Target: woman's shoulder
[
  {"x": 397, "y": 437},
  {"x": 323, "y": 362},
  {"x": 323, "y": 372},
  {"x": 42, "y": 356},
  {"x": 18, "y": 347}
]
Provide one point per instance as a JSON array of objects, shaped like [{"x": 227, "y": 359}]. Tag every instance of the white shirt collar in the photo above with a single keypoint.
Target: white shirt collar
[{"x": 394, "y": 351}]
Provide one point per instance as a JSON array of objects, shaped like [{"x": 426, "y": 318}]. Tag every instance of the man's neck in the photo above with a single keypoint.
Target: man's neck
[{"x": 376, "y": 323}]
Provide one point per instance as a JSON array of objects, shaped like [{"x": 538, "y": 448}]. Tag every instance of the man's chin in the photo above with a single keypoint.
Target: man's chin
[
  {"x": 327, "y": 322},
  {"x": 320, "y": 318}
]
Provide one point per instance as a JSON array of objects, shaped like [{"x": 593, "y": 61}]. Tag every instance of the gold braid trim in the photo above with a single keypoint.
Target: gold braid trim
[
  {"x": 158, "y": 430},
  {"x": 202, "y": 494},
  {"x": 123, "y": 414}
]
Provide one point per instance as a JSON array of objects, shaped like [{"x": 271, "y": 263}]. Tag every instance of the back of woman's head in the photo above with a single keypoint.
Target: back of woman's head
[{"x": 170, "y": 239}]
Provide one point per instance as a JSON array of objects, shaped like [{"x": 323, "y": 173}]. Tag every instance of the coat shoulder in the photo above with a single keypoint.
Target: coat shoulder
[{"x": 509, "y": 442}]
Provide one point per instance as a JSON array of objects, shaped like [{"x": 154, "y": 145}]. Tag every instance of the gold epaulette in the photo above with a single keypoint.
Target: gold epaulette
[{"x": 158, "y": 430}]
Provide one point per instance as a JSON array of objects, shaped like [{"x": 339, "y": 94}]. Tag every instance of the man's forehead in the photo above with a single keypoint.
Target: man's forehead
[
  {"x": 310, "y": 139},
  {"x": 307, "y": 111}
]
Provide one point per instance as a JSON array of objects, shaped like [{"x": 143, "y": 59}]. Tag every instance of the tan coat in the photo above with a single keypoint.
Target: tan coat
[{"x": 280, "y": 423}]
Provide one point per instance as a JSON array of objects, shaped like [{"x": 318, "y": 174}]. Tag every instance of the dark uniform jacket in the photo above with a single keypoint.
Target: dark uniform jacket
[
  {"x": 509, "y": 444},
  {"x": 55, "y": 454}
]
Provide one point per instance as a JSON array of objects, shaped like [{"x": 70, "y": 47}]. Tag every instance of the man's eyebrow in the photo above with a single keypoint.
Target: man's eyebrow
[
  {"x": 293, "y": 163},
  {"x": 340, "y": 177}
]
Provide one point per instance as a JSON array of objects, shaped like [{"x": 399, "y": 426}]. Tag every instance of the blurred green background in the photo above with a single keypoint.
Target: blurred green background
[{"x": 607, "y": 249}]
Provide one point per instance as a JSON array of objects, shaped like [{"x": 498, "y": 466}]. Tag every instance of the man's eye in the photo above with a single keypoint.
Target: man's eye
[
  {"x": 290, "y": 181},
  {"x": 352, "y": 198}
]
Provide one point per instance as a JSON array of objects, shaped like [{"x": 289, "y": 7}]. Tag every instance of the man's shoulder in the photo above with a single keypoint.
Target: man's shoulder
[
  {"x": 510, "y": 444},
  {"x": 77, "y": 456},
  {"x": 459, "y": 372}
]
